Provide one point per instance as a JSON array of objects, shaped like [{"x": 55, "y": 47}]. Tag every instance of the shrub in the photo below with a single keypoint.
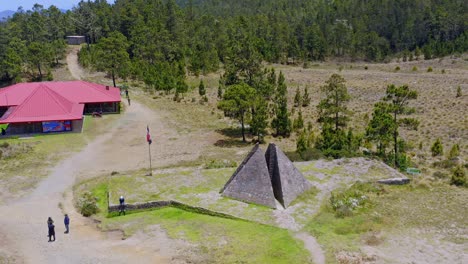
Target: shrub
[
  {"x": 49, "y": 76},
  {"x": 397, "y": 68},
  {"x": 218, "y": 164},
  {"x": 445, "y": 164},
  {"x": 459, "y": 92},
  {"x": 459, "y": 177},
  {"x": 443, "y": 71},
  {"x": 365, "y": 67},
  {"x": 87, "y": 204},
  {"x": 414, "y": 68},
  {"x": 439, "y": 175},
  {"x": 429, "y": 69},
  {"x": 344, "y": 203},
  {"x": 454, "y": 151},
  {"x": 437, "y": 149},
  {"x": 4, "y": 145},
  {"x": 311, "y": 154}
]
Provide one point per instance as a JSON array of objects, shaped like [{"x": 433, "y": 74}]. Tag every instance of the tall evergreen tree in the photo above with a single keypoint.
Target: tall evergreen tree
[
  {"x": 333, "y": 115},
  {"x": 113, "y": 56},
  {"x": 380, "y": 128},
  {"x": 398, "y": 99},
  {"x": 259, "y": 121},
  {"x": 236, "y": 103},
  {"x": 306, "y": 98},
  {"x": 281, "y": 122},
  {"x": 201, "y": 88}
]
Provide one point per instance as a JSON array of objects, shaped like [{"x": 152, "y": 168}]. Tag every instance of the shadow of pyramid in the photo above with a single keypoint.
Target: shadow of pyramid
[{"x": 264, "y": 178}]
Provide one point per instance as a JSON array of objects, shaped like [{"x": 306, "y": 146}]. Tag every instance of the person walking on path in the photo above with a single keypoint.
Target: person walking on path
[
  {"x": 50, "y": 225},
  {"x": 66, "y": 221},
  {"x": 126, "y": 92}
]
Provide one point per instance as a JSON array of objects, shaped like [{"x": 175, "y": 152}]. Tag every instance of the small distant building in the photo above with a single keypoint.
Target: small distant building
[
  {"x": 44, "y": 107},
  {"x": 76, "y": 40}
]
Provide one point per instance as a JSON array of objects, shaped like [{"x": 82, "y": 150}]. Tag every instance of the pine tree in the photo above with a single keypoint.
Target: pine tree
[
  {"x": 306, "y": 98},
  {"x": 221, "y": 87},
  {"x": 297, "y": 98},
  {"x": 333, "y": 115},
  {"x": 417, "y": 53},
  {"x": 380, "y": 128},
  {"x": 201, "y": 88},
  {"x": 299, "y": 122},
  {"x": 437, "y": 149},
  {"x": 397, "y": 100},
  {"x": 454, "y": 151},
  {"x": 113, "y": 56},
  {"x": 281, "y": 122},
  {"x": 259, "y": 120},
  {"x": 459, "y": 177},
  {"x": 301, "y": 144},
  {"x": 236, "y": 103}
]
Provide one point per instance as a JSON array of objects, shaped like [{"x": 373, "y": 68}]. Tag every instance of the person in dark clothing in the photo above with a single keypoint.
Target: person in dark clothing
[
  {"x": 126, "y": 92},
  {"x": 3, "y": 131},
  {"x": 122, "y": 205},
  {"x": 51, "y": 232},
  {"x": 66, "y": 221}
]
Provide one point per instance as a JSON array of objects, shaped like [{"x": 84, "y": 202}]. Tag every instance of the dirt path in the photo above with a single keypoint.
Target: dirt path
[{"x": 72, "y": 61}]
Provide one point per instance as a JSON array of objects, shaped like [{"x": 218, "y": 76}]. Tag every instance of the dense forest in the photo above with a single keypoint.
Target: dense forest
[{"x": 173, "y": 38}]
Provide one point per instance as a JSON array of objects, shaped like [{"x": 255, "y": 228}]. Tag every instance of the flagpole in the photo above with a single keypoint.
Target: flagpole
[{"x": 149, "y": 151}]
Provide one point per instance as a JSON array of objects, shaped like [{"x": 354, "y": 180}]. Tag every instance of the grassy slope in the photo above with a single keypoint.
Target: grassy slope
[{"x": 218, "y": 240}]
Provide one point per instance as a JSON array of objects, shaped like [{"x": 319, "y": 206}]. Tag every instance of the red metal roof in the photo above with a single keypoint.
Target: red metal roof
[{"x": 52, "y": 101}]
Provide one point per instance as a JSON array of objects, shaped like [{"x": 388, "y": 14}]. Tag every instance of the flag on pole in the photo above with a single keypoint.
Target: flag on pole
[{"x": 148, "y": 136}]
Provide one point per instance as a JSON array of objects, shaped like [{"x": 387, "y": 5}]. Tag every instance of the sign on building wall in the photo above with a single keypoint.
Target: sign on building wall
[{"x": 56, "y": 126}]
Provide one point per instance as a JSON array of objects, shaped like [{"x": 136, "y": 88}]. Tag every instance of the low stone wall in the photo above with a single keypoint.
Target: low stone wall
[
  {"x": 139, "y": 206},
  {"x": 159, "y": 204}
]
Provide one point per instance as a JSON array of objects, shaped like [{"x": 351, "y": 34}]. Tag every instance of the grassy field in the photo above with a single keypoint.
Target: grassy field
[
  {"x": 26, "y": 160},
  {"x": 211, "y": 239}
]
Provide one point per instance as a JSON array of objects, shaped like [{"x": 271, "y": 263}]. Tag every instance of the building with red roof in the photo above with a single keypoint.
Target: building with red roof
[{"x": 54, "y": 106}]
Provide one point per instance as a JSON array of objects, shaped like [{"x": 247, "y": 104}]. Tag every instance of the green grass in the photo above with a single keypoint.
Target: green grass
[
  {"x": 220, "y": 240},
  {"x": 216, "y": 239}
]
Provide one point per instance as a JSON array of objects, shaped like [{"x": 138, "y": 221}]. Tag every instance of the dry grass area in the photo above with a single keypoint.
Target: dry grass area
[{"x": 441, "y": 114}]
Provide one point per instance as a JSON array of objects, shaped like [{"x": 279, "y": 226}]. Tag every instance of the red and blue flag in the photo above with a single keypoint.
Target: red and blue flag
[{"x": 148, "y": 136}]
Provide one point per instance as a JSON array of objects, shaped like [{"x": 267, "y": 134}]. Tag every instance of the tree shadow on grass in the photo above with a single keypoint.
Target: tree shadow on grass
[{"x": 234, "y": 138}]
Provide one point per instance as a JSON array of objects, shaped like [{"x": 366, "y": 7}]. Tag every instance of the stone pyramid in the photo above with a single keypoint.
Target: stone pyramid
[
  {"x": 288, "y": 182},
  {"x": 251, "y": 181}
]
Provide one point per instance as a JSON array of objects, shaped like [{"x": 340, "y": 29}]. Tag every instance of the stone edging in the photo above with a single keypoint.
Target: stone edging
[{"x": 160, "y": 204}]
